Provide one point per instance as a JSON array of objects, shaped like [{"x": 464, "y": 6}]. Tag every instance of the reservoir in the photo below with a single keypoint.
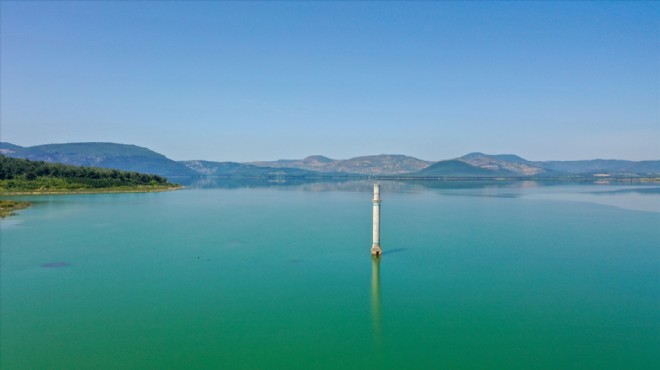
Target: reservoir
[{"x": 258, "y": 275}]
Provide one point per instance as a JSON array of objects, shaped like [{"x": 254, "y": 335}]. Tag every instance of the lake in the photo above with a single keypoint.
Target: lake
[{"x": 230, "y": 275}]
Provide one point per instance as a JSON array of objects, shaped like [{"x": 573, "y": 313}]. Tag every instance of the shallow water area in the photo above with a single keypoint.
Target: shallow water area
[{"x": 496, "y": 275}]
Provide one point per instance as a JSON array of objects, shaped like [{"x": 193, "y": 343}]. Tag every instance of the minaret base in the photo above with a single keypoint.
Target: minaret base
[{"x": 376, "y": 251}]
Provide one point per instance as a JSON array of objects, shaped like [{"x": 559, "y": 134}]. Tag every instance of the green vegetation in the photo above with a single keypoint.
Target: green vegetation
[
  {"x": 474, "y": 165},
  {"x": 104, "y": 155},
  {"x": 456, "y": 168},
  {"x": 25, "y": 176},
  {"x": 7, "y": 207}
]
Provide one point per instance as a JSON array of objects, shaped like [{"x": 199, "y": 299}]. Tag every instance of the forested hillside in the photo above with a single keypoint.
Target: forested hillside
[
  {"x": 25, "y": 175},
  {"x": 121, "y": 157}
]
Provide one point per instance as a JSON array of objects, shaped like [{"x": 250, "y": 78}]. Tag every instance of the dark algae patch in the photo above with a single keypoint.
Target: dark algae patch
[{"x": 7, "y": 207}]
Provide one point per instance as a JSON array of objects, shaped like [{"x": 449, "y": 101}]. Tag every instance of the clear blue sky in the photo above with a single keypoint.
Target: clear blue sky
[{"x": 259, "y": 81}]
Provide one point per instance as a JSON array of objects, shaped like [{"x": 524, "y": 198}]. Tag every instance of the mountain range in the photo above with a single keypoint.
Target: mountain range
[
  {"x": 104, "y": 155},
  {"x": 375, "y": 165},
  {"x": 473, "y": 165}
]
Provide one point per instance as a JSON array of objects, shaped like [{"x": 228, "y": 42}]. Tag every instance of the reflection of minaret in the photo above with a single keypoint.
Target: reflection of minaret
[
  {"x": 375, "y": 295},
  {"x": 375, "y": 247}
]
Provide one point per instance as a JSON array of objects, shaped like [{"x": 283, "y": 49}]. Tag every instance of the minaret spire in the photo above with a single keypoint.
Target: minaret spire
[{"x": 375, "y": 247}]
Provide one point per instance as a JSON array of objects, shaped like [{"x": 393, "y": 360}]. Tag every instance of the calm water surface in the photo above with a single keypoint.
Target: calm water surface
[{"x": 474, "y": 276}]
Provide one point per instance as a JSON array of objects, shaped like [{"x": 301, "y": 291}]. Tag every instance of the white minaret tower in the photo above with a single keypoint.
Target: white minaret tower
[{"x": 375, "y": 247}]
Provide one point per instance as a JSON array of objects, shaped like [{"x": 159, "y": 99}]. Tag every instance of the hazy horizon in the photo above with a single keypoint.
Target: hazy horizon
[
  {"x": 234, "y": 81},
  {"x": 335, "y": 158}
]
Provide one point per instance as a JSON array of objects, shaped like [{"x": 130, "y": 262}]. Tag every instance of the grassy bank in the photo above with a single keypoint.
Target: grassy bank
[
  {"x": 87, "y": 190},
  {"x": 25, "y": 177},
  {"x": 7, "y": 207},
  {"x": 53, "y": 185}
]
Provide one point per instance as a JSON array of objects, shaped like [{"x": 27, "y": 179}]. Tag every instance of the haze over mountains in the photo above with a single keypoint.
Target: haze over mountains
[
  {"x": 384, "y": 164},
  {"x": 104, "y": 155},
  {"x": 473, "y": 165}
]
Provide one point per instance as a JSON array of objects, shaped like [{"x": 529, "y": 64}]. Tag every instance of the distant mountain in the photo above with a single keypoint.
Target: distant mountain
[
  {"x": 507, "y": 164},
  {"x": 608, "y": 166},
  {"x": 139, "y": 159},
  {"x": 6, "y": 148},
  {"x": 104, "y": 155},
  {"x": 378, "y": 165},
  {"x": 233, "y": 169},
  {"x": 458, "y": 168}
]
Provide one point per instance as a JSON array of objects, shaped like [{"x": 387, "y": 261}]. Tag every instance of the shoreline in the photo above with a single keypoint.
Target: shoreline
[
  {"x": 91, "y": 191},
  {"x": 7, "y": 207}
]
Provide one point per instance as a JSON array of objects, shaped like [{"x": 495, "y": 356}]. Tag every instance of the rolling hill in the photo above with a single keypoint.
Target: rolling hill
[
  {"x": 477, "y": 165},
  {"x": 234, "y": 169},
  {"x": 610, "y": 166},
  {"x": 507, "y": 165},
  {"x": 458, "y": 168},
  {"x": 376, "y": 165},
  {"x": 104, "y": 155}
]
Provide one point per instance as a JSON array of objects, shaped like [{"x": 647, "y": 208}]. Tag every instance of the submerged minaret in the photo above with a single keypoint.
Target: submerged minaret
[
  {"x": 375, "y": 247},
  {"x": 375, "y": 297}
]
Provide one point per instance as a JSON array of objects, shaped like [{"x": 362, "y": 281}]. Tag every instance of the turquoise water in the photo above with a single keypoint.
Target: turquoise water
[{"x": 474, "y": 276}]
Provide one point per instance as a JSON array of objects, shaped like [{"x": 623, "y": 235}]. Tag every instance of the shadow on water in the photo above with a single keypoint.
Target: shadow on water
[
  {"x": 375, "y": 299},
  {"x": 395, "y": 250}
]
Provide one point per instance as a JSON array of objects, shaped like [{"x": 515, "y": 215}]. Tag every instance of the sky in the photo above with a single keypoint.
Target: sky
[{"x": 245, "y": 81}]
